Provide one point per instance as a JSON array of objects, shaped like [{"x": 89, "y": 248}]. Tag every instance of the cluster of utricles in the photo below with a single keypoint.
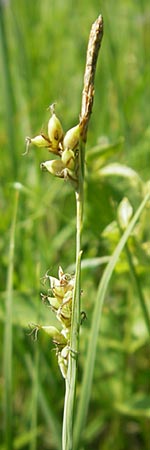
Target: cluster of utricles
[
  {"x": 65, "y": 146},
  {"x": 59, "y": 298}
]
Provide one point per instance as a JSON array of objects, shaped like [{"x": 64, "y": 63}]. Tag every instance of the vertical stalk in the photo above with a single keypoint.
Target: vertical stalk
[
  {"x": 9, "y": 93},
  {"x": 67, "y": 434},
  {"x": 35, "y": 386},
  {"x": 8, "y": 335},
  {"x": 86, "y": 110}
]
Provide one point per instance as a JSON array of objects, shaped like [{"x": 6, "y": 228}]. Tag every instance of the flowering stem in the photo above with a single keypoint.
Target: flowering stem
[
  {"x": 75, "y": 326},
  {"x": 86, "y": 110}
]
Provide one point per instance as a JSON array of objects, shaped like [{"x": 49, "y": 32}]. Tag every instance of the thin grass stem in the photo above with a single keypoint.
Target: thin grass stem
[
  {"x": 9, "y": 93},
  {"x": 86, "y": 110},
  {"x": 67, "y": 434},
  {"x": 8, "y": 338}
]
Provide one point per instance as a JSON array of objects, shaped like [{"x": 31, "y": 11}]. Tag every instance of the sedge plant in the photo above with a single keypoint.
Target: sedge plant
[{"x": 64, "y": 292}]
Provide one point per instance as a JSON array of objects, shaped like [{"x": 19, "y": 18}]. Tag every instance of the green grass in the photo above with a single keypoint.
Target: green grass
[{"x": 43, "y": 47}]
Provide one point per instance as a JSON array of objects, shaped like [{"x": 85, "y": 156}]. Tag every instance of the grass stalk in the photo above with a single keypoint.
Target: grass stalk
[
  {"x": 86, "y": 109},
  {"x": 67, "y": 433},
  {"x": 8, "y": 334},
  {"x": 35, "y": 386},
  {"x": 9, "y": 93}
]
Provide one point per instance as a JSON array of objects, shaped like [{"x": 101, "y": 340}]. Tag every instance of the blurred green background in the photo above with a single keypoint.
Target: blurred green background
[{"x": 43, "y": 49}]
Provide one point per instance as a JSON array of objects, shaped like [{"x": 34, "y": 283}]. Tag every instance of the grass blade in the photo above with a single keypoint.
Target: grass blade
[{"x": 90, "y": 360}]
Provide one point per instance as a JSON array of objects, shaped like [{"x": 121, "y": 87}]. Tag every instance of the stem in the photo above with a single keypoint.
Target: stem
[
  {"x": 8, "y": 334},
  {"x": 9, "y": 93},
  {"x": 67, "y": 435},
  {"x": 86, "y": 110}
]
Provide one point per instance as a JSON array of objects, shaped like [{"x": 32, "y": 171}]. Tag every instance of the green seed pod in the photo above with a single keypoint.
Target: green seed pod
[
  {"x": 60, "y": 340},
  {"x": 64, "y": 314},
  {"x": 62, "y": 292},
  {"x": 71, "y": 139},
  {"x": 59, "y": 292},
  {"x": 55, "y": 131},
  {"x": 61, "y": 286},
  {"x": 68, "y": 159},
  {"x": 55, "y": 167},
  {"x": 52, "y": 332},
  {"x": 39, "y": 141},
  {"x": 68, "y": 297},
  {"x": 57, "y": 289},
  {"x": 54, "y": 303}
]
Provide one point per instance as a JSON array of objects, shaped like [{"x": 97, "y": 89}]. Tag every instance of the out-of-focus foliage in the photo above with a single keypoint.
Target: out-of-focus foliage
[{"x": 43, "y": 48}]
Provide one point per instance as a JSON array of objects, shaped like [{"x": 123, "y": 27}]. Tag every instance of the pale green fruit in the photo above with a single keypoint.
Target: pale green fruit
[
  {"x": 39, "y": 141},
  {"x": 55, "y": 167},
  {"x": 68, "y": 159},
  {"x": 51, "y": 331},
  {"x": 71, "y": 139},
  {"x": 59, "y": 291},
  {"x": 54, "y": 303},
  {"x": 55, "y": 131}
]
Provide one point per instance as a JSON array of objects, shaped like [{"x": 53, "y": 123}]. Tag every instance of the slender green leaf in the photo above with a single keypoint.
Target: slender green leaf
[
  {"x": 116, "y": 169},
  {"x": 91, "y": 263},
  {"x": 138, "y": 406}
]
